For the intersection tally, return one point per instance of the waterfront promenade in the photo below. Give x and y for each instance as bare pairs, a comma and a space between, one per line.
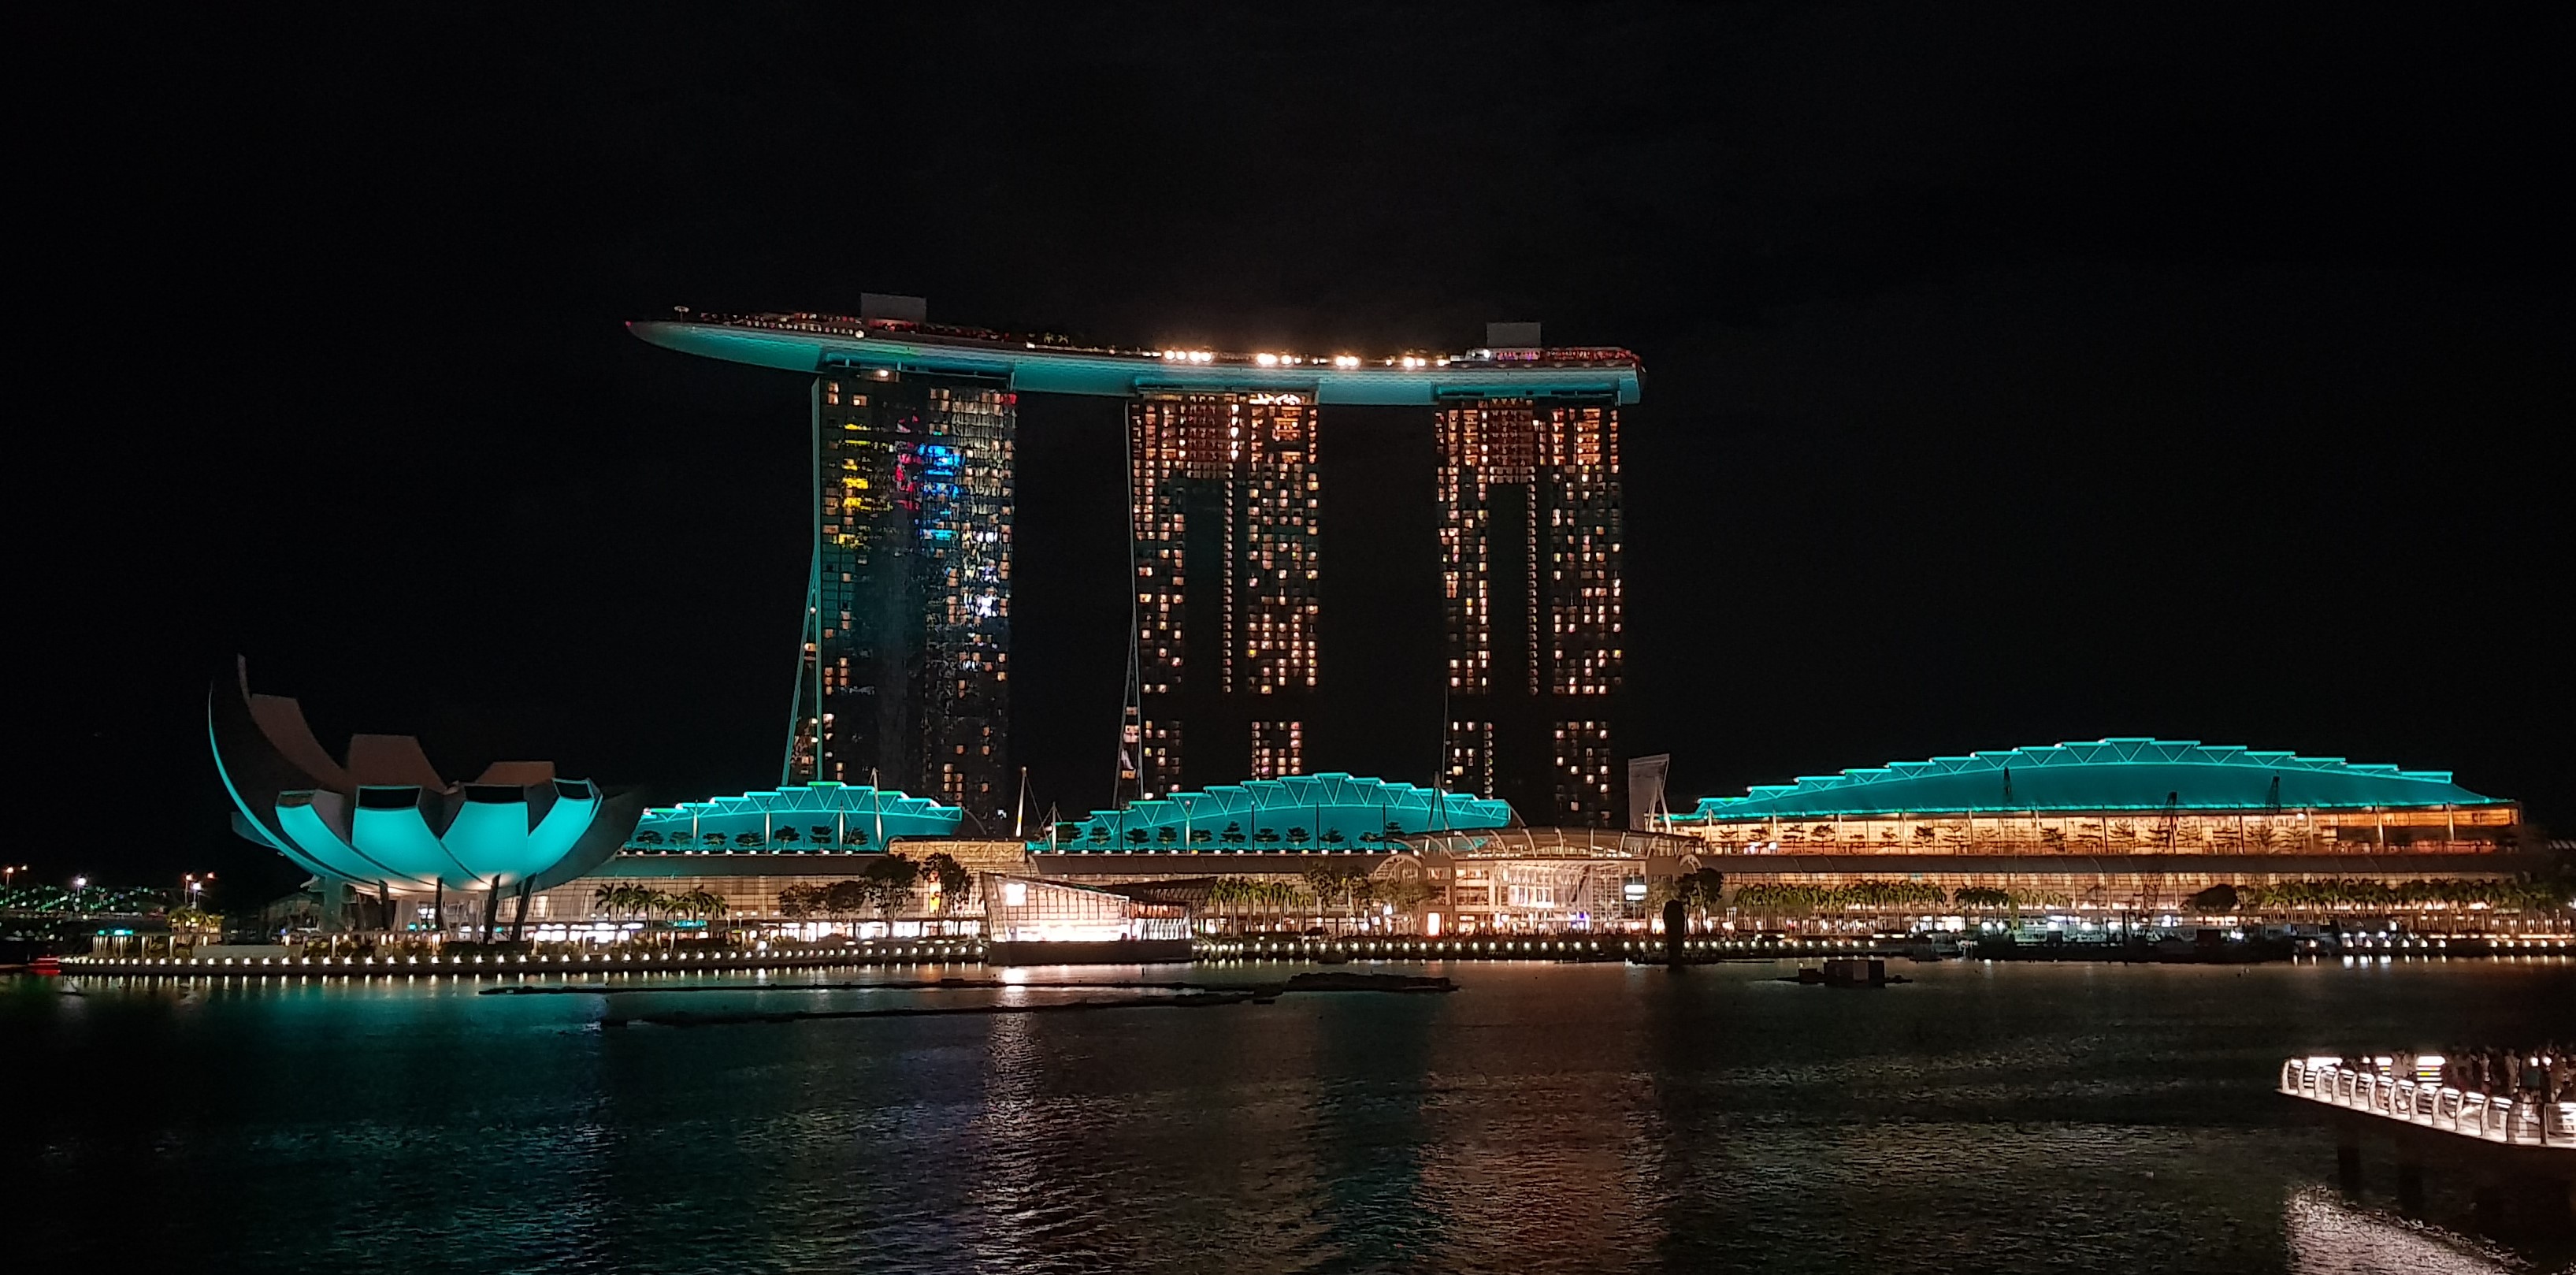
2424, 1105
972, 951
1280, 947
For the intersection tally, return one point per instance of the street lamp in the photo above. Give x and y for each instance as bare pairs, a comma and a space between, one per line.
79, 884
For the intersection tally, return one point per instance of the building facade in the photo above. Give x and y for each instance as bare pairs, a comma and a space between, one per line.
1227, 576
907, 646
1530, 544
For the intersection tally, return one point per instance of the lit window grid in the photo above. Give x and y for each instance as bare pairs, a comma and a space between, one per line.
1568, 454
947, 540
1582, 768
1158, 762
1259, 455
1471, 758
1278, 749
1482, 443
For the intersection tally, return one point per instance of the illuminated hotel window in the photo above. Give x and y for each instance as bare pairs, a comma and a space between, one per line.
1278, 748
1471, 757
919, 498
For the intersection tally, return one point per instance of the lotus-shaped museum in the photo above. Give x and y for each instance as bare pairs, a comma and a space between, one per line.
385, 819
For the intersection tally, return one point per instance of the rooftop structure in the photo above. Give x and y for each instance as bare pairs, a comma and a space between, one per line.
1327, 812
2114, 796
817, 344
821, 815
2104, 774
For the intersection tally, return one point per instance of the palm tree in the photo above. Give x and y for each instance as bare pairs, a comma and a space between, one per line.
710, 905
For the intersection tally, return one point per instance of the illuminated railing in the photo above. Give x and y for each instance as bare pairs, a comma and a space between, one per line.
2431, 1106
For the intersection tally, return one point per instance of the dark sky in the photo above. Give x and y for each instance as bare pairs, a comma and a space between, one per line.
2015, 373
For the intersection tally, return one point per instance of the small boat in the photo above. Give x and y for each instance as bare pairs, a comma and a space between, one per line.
1848, 971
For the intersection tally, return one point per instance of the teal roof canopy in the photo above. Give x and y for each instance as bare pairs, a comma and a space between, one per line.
1331, 811
850, 814
2104, 774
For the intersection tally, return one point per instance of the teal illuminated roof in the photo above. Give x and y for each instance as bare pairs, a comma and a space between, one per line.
2106, 774
1331, 811
384, 817
820, 343
818, 813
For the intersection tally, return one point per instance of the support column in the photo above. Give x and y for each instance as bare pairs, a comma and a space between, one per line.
2348, 1157
2488, 1206
519, 922
2410, 1178
491, 908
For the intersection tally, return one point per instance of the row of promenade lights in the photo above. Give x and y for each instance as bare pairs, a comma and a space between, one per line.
938, 950
194, 882
1263, 945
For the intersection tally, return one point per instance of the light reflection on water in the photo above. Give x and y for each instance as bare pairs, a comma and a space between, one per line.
1545, 1118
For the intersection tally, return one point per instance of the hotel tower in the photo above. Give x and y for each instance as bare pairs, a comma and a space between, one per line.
1224, 503
1530, 545
904, 679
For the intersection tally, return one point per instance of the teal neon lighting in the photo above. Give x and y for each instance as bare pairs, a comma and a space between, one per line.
492, 840
316, 825
403, 841
849, 815
2104, 774
1120, 374
1330, 812
518, 825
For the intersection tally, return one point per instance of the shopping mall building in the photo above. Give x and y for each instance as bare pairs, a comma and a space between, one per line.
2090, 831
2119, 828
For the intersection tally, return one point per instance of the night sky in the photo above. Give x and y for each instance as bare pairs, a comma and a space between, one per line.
2014, 373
